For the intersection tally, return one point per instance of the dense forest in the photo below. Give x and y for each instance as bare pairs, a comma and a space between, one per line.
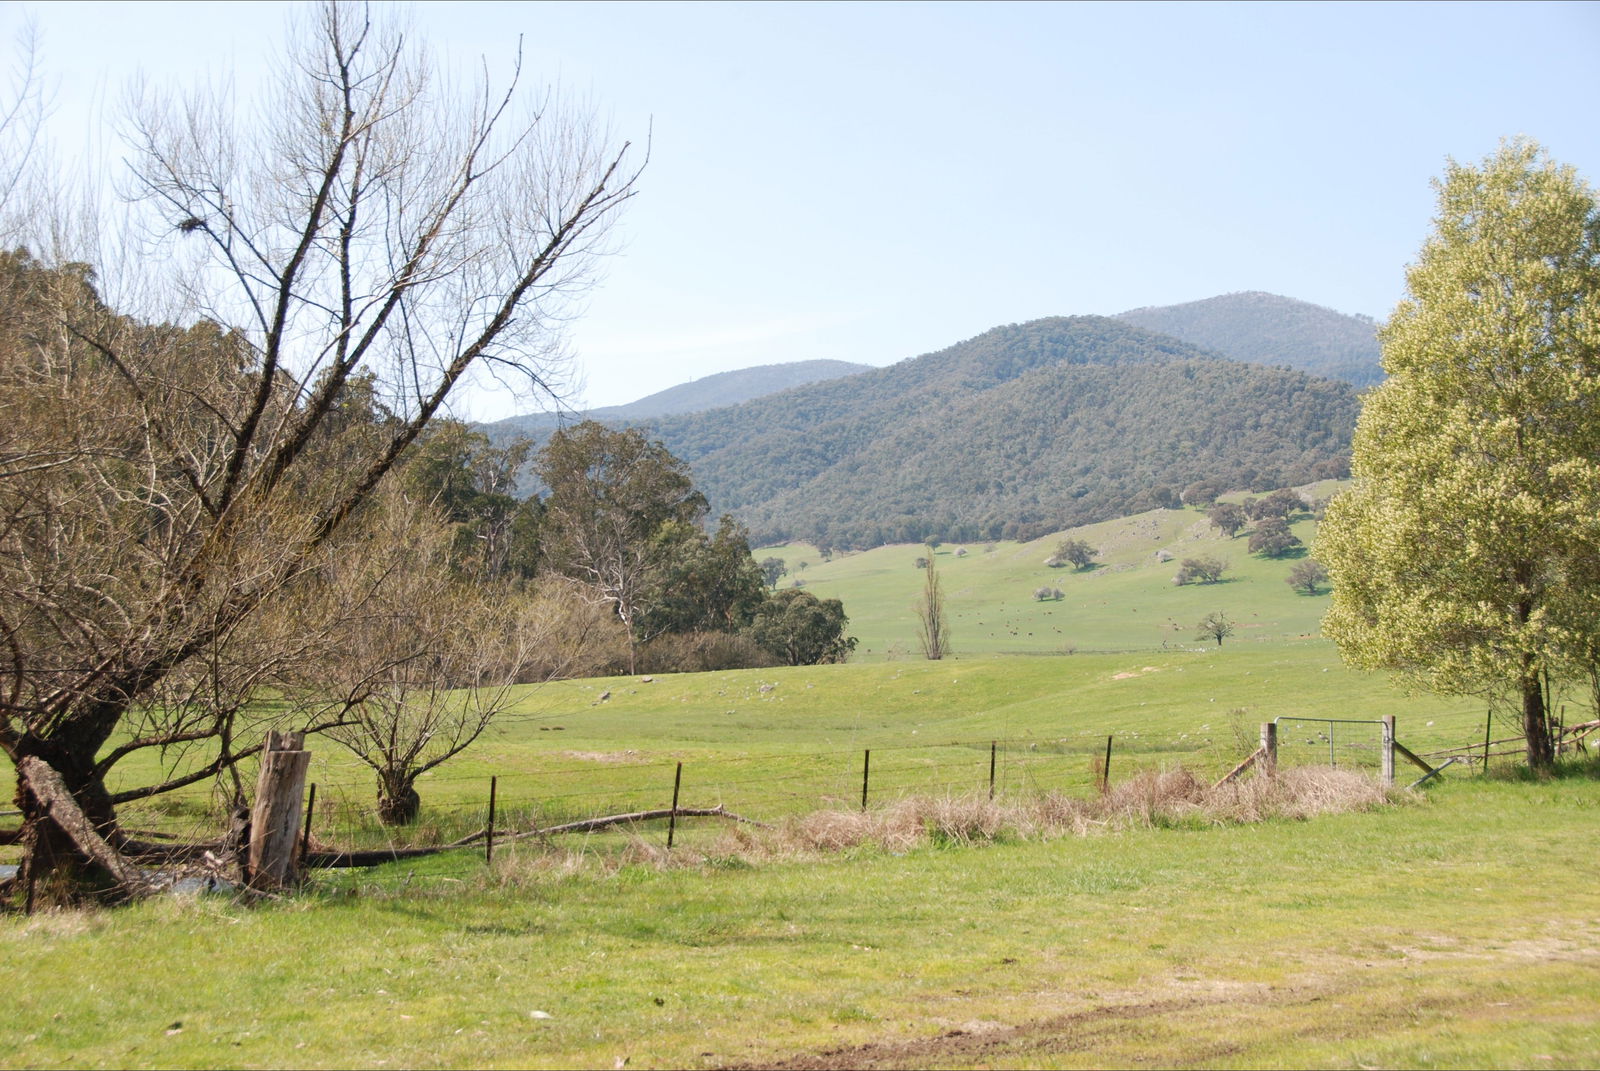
1273, 330
1023, 430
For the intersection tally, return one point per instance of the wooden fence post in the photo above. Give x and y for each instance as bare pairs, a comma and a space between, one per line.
672, 819
1488, 726
1105, 770
1269, 748
1388, 749
488, 834
311, 810
866, 768
275, 822
993, 746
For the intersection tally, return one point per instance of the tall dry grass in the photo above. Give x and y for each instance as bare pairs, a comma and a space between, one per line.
1154, 799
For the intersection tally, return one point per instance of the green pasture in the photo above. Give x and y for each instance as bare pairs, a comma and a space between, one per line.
1125, 602
768, 743
1455, 930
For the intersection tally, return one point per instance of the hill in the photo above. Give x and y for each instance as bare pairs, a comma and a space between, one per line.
1125, 602
1023, 430
708, 392
1272, 330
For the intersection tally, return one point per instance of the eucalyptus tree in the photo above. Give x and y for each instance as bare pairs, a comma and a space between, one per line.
1466, 555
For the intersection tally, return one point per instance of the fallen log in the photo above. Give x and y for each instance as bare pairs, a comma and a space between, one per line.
46, 786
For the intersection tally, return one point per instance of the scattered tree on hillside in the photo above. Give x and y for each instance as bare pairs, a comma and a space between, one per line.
773, 570
1466, 555
162, 487
1228, 516
933, 625
1214, 626
1307, 576
1202, 493
1048, 594
799, 629
1203, 569
1075, 552
1273, 539
1280, 504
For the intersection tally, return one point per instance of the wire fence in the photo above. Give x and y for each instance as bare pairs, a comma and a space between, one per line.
554, 787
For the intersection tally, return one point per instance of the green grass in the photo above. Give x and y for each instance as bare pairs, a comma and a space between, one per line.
1126, 602
1455, 931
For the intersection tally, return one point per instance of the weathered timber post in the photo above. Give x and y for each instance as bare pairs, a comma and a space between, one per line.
1388, 749
1268, 763
488, 830
993, 746
1105, 770
1488, 727
866, 769
672, 819
275, 822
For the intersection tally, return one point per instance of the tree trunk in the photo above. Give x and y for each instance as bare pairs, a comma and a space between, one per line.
1536, 723
398, 801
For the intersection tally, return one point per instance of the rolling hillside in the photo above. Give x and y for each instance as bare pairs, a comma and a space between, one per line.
1023, 430
1273, 330
1126, 602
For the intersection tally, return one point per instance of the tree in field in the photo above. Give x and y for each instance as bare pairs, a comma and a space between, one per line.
1201, 570
172, 468
1228, 516
1214, 626
933, 625
423, 660
1465, 554
1307, 577
1273, 538
611, 494
1075, 552
1280, 504
773, 570
799, 629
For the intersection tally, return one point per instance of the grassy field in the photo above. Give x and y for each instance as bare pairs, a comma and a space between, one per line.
1126, 602
1459, 930
1456, 928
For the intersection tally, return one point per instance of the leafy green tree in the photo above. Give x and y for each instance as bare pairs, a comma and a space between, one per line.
799, 629
610, 495
1465, 555
701, 583
1201, 570
1075, 552
1228, 516
1273, 538
773, 570
1307, 577
1282, 504
1214, 626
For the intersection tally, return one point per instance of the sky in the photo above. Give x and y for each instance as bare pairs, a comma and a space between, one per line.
869, 182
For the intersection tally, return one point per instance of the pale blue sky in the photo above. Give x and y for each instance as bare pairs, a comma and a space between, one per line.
870, 182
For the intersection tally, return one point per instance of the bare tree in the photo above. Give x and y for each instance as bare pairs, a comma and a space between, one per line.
170, 485
933, 625
424, 661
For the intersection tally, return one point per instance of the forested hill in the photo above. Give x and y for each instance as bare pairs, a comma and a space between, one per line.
708, 392
1273, 330
1024, 429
